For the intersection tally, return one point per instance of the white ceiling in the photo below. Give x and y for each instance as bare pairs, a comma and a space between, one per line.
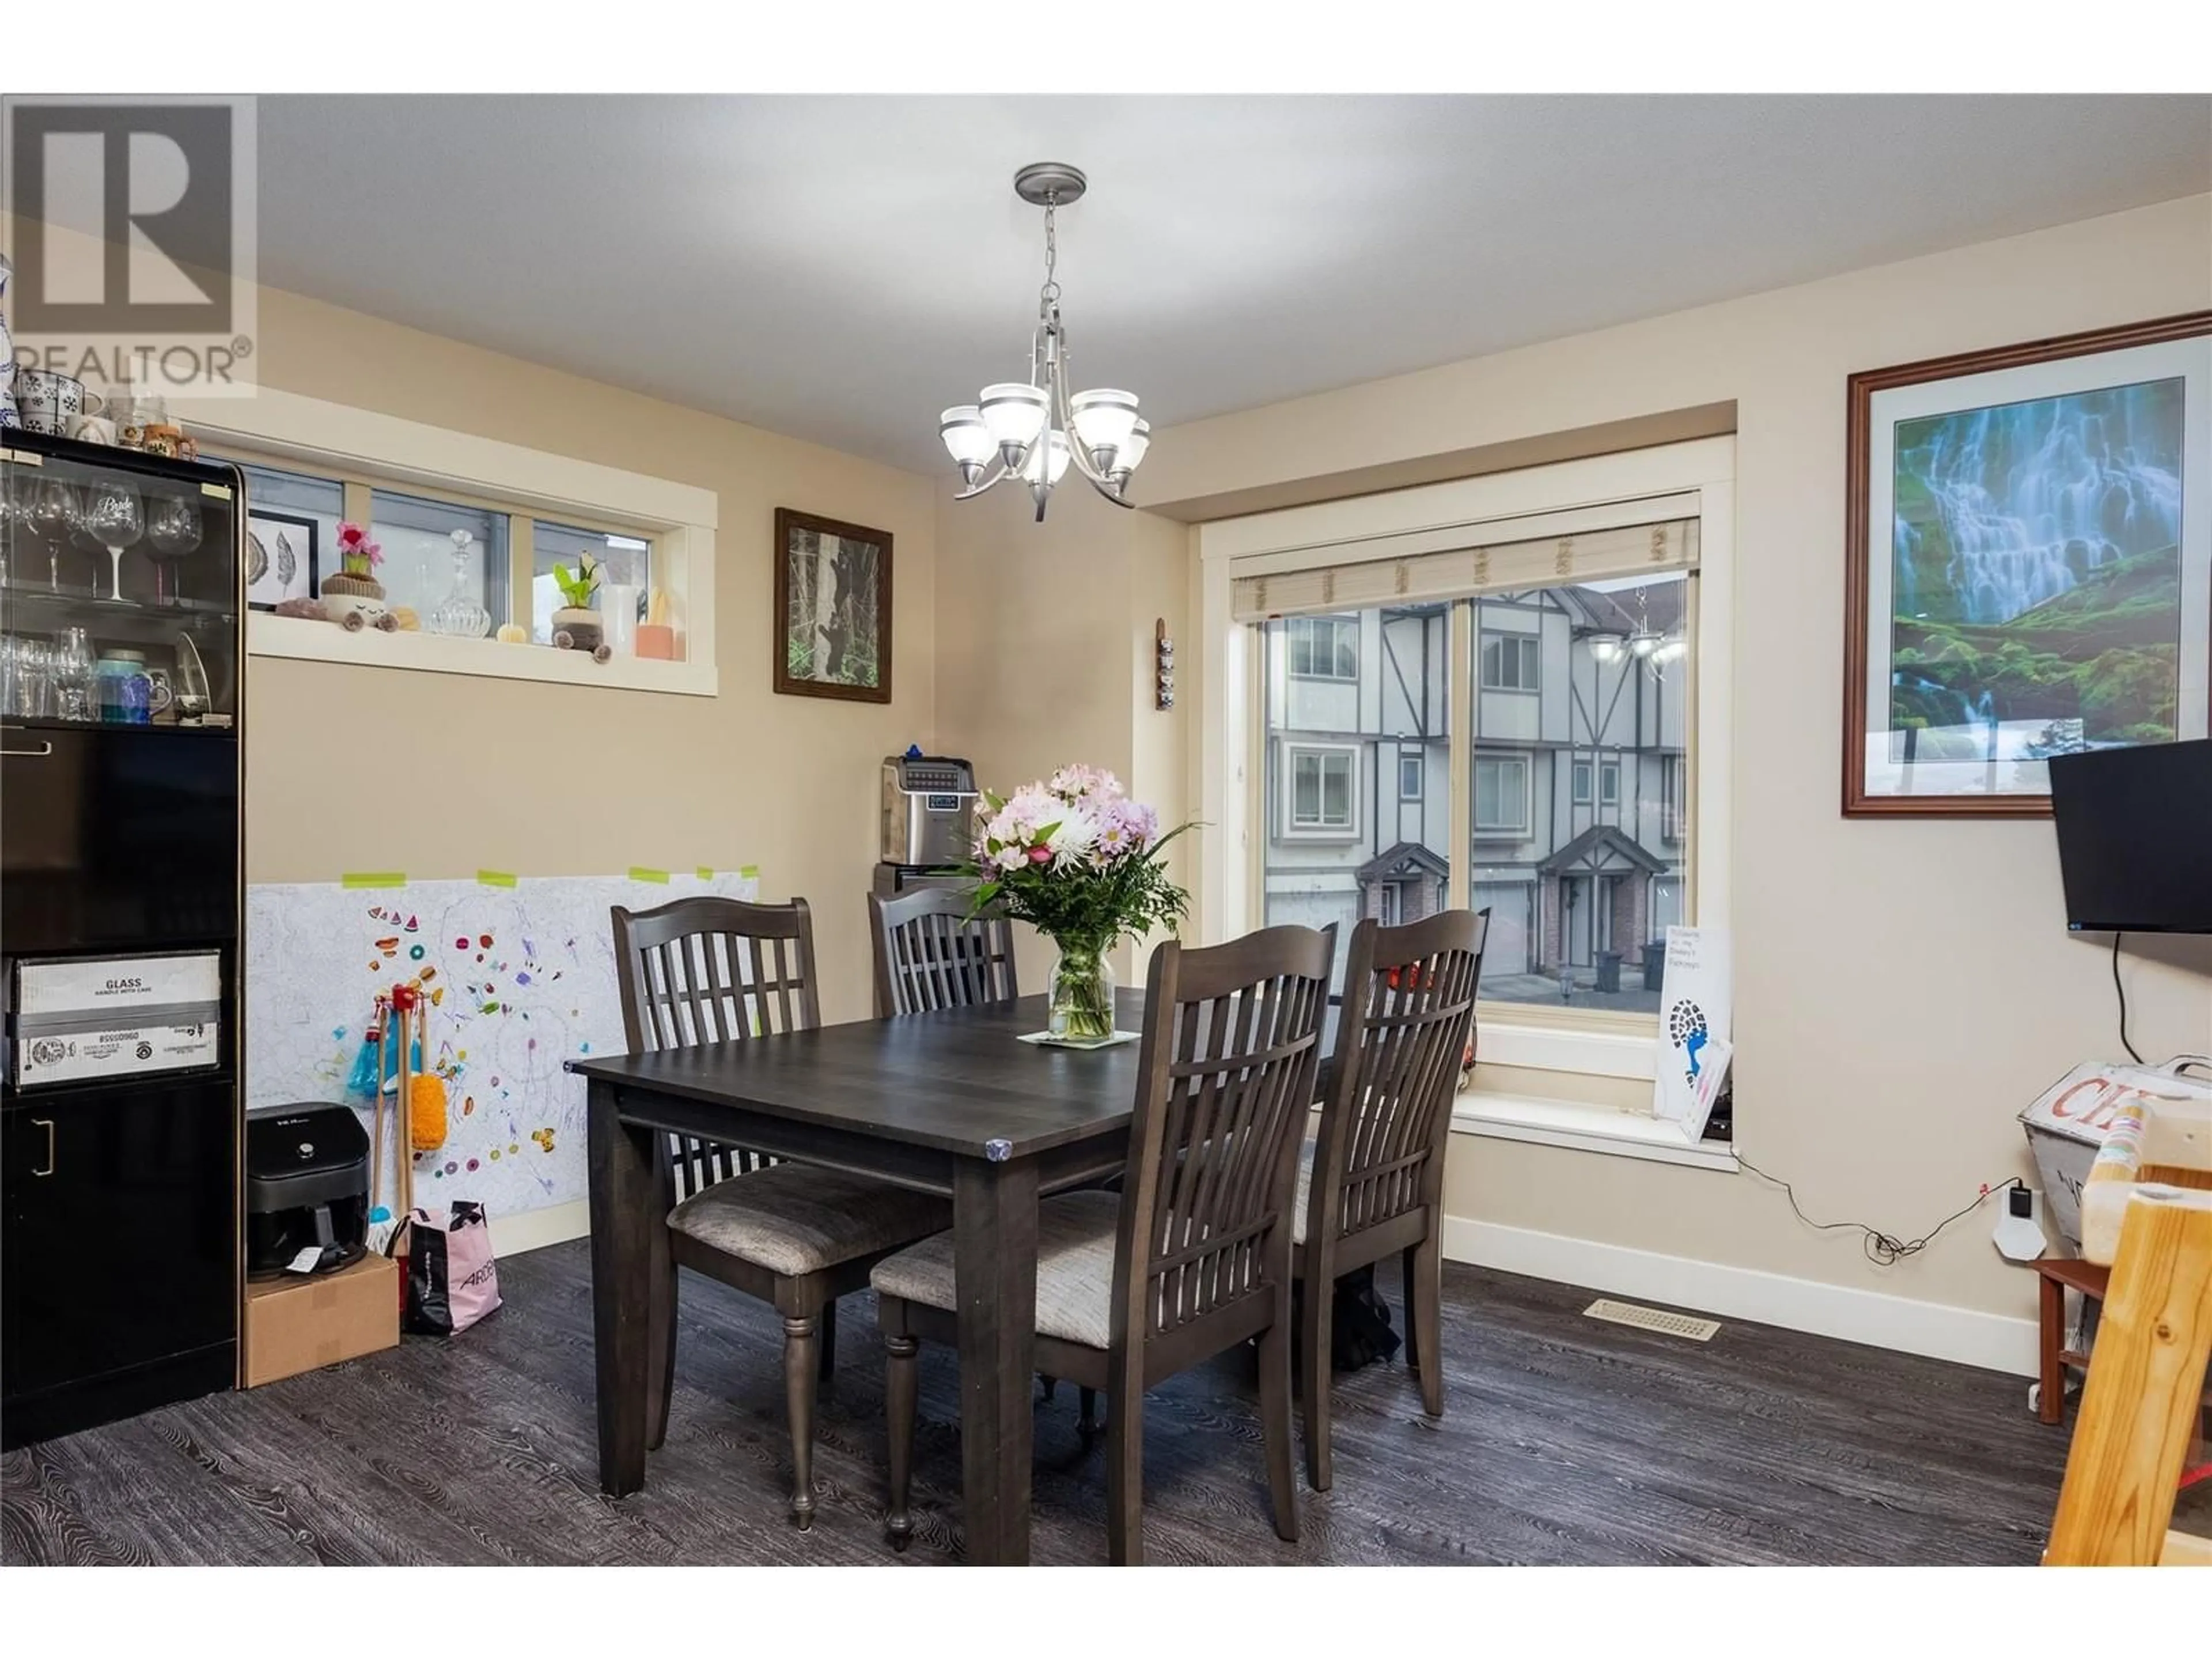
840, 269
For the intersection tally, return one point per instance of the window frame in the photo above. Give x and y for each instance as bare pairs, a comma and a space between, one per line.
1529, 649
1582, 787
1294, 749
1338, 622
1693, 480
1608, 780
365, 450
1420, 762
1497, 830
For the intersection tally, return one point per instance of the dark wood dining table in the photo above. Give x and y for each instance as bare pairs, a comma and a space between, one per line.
947, 1102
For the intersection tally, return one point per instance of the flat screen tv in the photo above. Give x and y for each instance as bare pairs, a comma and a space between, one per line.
2134, 838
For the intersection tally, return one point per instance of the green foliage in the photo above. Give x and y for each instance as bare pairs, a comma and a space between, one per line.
578, 586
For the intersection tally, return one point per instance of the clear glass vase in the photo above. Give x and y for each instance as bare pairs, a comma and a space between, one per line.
458, 613
1081, 991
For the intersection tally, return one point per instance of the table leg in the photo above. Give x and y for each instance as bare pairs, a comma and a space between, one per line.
625, 1216
994, 1236
2050, 1332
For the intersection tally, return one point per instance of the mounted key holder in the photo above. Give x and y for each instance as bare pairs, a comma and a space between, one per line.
1163, 667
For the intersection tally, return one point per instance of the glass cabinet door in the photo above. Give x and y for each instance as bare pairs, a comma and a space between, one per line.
119, 587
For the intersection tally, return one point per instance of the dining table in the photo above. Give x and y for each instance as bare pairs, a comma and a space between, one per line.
950, 1102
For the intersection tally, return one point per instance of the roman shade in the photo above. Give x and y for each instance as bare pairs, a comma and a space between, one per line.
1427, 566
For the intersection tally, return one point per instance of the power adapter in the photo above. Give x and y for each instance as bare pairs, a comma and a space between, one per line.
2019, 1235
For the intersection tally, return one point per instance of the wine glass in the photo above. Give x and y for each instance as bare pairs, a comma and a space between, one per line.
50, 514
173, 530
111, 516
72, 667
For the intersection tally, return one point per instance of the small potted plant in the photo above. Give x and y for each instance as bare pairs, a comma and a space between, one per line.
576, 626
353, 598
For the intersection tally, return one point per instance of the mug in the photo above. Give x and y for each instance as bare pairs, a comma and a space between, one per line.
50, 402
93, 430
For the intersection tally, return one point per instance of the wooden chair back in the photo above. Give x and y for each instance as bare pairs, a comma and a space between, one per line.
1402, 1033
714, 969
931, 954
1232, 1046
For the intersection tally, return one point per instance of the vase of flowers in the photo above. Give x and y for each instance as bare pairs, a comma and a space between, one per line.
1086, 865
352, 598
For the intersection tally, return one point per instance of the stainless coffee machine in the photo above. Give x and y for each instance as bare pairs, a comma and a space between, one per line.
928, 819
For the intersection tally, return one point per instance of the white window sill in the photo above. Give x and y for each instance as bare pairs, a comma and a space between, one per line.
272, 636
1585, 1128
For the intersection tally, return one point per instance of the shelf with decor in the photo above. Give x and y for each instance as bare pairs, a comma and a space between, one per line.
377, 541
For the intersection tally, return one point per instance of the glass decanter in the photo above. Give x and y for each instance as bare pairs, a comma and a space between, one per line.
458, 613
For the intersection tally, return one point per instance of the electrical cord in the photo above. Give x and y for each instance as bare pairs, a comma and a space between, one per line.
1883, 1249
2121, 992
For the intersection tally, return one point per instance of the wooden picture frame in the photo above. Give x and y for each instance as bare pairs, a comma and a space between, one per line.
842, 649
307, 583
2038, 578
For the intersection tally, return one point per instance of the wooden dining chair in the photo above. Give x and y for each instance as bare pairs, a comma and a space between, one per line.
930, 953
1370, 1177
1192, 1257
716, 969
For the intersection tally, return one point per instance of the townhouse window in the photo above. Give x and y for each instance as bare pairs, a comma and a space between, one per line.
1501, 794
1510, 662
1412, 775
1324, 788
1582, 784
1324, 647
1609, 783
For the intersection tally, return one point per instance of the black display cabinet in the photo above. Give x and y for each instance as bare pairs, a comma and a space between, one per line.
122, 650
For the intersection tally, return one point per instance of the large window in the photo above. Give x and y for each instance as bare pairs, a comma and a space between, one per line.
1325, 647
1596, 877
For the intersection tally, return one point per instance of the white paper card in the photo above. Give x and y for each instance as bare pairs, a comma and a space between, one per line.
1696, 1027
110, 986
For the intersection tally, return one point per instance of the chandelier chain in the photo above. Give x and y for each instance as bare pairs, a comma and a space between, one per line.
1050, 292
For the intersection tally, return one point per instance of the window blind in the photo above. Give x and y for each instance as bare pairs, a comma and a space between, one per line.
1456, 573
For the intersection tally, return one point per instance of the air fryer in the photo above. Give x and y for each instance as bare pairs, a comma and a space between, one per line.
306, 1189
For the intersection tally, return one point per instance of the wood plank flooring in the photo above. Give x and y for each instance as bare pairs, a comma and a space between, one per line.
1564, 1440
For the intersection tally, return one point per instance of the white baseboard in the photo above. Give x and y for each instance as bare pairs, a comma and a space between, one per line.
1964, 1335
533, 1229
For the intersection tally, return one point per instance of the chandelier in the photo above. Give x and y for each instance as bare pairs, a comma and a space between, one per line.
1035, 429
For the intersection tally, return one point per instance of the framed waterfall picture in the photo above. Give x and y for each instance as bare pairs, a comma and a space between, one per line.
833, 609
2029, 544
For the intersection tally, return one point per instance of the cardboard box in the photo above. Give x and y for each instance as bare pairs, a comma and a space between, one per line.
2066, 1125
298, 1324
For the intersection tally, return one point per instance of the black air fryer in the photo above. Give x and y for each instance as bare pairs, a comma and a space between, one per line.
307, 1188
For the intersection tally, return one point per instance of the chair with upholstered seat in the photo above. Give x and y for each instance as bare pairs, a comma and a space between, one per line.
721, 970
1370, 1179
1192, 1257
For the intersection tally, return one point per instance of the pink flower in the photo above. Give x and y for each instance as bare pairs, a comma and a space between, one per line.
1040, 855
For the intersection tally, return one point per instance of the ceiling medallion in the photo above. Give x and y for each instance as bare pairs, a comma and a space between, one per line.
1035, 429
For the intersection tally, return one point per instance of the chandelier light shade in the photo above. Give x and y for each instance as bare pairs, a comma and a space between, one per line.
1606, 647
1035, 429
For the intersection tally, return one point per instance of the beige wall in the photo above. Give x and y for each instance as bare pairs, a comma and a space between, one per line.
439, 774
1903, 988
1045, 646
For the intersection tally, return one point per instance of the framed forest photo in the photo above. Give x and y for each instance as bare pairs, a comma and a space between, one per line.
833, 609
2028, 547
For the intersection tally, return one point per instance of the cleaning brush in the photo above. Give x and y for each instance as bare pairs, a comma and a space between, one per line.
370, 1061
426, 1090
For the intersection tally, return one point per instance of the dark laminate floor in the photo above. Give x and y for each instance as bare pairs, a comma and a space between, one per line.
1564, 1440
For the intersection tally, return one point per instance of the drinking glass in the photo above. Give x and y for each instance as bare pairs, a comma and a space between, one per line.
50, 514
72, 666
33, 690
111, 516
173, 530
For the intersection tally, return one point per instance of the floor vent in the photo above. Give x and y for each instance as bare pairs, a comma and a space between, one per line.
1654, 1319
